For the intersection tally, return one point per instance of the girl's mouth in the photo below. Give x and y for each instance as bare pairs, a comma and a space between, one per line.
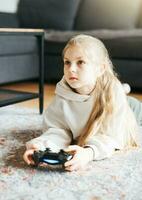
73, 78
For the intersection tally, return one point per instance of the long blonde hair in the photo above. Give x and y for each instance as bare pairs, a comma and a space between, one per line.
104, 103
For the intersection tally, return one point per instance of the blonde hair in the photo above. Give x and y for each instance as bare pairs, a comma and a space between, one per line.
104, 104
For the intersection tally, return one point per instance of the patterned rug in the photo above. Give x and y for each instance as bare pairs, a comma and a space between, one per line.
112, 179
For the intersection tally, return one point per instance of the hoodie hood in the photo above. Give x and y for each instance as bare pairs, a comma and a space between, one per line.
63, 90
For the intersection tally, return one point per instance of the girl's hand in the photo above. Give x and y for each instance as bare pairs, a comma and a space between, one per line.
28, 154
80, 159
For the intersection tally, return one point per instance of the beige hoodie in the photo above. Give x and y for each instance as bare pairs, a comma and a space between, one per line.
67, 115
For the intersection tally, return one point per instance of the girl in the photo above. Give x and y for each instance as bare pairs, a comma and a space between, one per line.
90, 108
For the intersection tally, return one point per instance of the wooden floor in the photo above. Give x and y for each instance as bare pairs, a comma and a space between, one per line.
48, 93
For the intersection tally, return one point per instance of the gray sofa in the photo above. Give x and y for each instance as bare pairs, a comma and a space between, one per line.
117, 24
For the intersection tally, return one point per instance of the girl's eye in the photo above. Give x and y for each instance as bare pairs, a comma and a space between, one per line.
66, 62
80, 62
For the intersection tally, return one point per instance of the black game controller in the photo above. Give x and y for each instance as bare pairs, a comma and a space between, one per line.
51, 158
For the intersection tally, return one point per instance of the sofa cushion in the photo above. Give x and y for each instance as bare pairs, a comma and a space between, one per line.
123, 44
108, 14
18, 67
13, 45
56, 14
8, 20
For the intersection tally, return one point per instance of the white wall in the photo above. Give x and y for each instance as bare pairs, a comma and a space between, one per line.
8, 5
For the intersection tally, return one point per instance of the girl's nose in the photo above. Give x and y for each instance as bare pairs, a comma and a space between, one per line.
73, 67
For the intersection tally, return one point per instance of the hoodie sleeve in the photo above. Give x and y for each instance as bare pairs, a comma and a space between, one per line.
136, 106
56, 134
121, 124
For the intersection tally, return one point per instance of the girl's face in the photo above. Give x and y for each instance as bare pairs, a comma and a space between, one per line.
79, 72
